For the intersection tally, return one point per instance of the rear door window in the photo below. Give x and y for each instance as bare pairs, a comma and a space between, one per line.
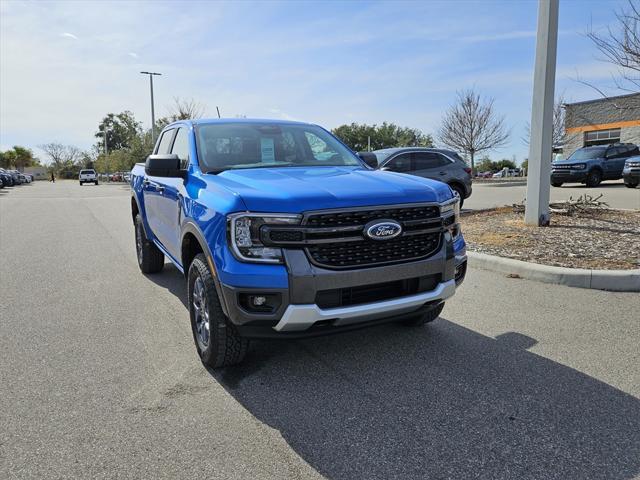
427, 160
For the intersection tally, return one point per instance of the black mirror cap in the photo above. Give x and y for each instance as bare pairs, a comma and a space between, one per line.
369, 158
165, 165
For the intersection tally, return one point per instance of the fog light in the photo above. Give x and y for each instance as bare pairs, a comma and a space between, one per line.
258, 300
460, 272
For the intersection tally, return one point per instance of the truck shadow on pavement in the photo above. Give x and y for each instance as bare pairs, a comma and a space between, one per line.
437, 402
440, 401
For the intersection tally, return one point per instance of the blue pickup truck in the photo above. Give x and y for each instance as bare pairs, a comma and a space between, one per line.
282, 231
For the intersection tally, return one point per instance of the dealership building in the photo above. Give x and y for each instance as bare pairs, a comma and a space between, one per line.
601, 122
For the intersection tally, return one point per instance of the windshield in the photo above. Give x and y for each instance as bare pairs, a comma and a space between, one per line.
260, 145
87, 172
587, 153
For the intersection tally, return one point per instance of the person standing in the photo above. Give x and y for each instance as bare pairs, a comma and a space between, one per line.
53, 178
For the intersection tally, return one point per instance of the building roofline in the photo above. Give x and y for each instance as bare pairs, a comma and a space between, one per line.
603, 99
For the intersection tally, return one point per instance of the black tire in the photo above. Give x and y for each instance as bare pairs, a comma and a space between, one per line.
630, 184
460, 191
594, 177
96, 182
556, 184
80, 183
426, 317
150, 258
217, 340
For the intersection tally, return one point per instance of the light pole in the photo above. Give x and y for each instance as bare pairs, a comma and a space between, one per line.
104, 135
541, 143
153, 116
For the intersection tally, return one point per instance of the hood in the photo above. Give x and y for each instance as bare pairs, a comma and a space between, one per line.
566, 161
297, 189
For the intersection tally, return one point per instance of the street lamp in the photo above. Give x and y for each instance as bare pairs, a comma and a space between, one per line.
153, 119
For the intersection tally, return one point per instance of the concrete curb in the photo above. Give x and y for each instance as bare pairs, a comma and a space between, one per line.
611, 280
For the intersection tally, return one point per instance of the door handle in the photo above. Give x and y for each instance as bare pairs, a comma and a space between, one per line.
146, 183
443, 173
160, 188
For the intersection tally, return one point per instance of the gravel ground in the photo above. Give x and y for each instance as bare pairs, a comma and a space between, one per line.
607, 239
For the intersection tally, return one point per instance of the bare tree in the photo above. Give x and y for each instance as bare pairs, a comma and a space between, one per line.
183, 109
620, 46
559, 134
61, 156
471, 126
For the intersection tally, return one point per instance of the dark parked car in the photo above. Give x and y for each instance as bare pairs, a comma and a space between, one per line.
438, 164
592, 165
6, 177
631, 172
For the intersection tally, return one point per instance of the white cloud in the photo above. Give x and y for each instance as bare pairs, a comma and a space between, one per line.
69, 35
133, 54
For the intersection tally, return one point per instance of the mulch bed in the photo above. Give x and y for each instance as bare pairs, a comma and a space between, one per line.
599, 239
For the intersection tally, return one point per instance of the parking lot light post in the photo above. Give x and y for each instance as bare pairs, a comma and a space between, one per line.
541, 144
153, 116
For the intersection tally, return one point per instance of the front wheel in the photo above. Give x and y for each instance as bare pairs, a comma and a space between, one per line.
425, 317
631, 184
217, 340
594, 178
556, 184
150, 258
96, 182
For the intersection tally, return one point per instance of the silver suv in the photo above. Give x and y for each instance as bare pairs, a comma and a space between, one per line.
435, 163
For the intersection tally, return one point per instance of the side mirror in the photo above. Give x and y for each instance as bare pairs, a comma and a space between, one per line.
369, 158
166, 165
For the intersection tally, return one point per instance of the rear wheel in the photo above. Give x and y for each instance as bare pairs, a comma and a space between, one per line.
96, 182
460, 191
631, 184
425, 317
556, 184
150, 258
594, 178
217, 340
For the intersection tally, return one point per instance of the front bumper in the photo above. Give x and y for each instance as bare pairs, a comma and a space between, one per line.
298, 314
631, 175
569, 176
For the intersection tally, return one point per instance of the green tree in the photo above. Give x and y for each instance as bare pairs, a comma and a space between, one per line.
18, 158
121, 129
505, 163
356, 136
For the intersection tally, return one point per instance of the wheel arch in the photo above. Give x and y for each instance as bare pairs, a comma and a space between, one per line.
193, 242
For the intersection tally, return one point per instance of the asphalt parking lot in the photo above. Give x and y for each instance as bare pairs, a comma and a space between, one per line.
99, 377
490, 195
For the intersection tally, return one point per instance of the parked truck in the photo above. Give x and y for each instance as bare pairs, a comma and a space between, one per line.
282, 231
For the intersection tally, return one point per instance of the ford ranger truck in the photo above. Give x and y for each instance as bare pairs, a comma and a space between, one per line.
282, 231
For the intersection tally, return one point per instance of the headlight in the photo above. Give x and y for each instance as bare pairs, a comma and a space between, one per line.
244, 235
579, 166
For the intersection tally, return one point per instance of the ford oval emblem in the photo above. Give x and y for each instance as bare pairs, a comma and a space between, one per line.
383, 230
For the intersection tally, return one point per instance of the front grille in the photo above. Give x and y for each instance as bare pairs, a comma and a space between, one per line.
369, 252
360, 217
343, 297
336, 238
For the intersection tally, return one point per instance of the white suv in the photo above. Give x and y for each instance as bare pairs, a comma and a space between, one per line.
88, 176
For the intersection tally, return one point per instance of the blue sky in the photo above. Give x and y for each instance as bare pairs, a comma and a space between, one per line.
64, 65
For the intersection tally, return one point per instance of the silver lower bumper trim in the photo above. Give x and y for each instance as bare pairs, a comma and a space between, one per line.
301, 317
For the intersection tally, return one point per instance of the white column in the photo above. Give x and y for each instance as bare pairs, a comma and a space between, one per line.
541, 142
